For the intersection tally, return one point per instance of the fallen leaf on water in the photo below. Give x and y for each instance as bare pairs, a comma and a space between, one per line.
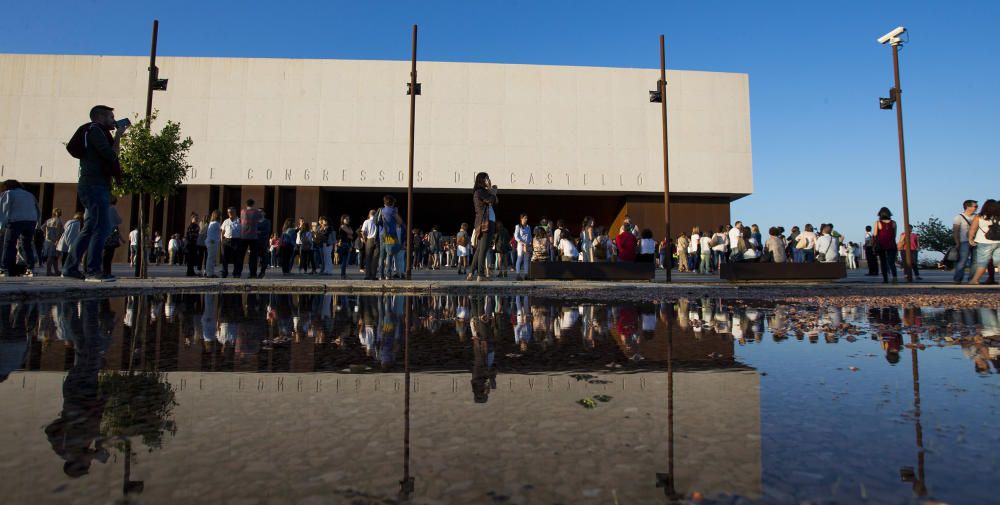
587, 403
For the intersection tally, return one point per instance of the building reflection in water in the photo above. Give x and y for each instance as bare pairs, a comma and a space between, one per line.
117, 351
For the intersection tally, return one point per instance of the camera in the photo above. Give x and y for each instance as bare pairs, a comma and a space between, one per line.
892, 36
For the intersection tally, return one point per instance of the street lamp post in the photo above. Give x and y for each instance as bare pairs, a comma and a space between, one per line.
896, 98
153, 84
412, 89
660, 96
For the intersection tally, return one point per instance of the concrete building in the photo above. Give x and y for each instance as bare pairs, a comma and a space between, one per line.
312, 137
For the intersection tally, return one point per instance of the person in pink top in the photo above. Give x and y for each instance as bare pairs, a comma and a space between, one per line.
914, 249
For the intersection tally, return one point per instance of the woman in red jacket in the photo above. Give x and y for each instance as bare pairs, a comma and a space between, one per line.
626, 243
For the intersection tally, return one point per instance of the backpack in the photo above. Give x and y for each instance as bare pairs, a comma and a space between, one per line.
993, 232
77, 145
460, 240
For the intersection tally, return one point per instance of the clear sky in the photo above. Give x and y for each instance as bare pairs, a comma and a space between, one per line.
822, 150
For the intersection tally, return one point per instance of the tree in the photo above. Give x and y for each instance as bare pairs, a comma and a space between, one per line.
934, 235
153, 164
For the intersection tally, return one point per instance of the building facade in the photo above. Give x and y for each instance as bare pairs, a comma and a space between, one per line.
328, 137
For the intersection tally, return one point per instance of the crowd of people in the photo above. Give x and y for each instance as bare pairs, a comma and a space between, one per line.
235, 238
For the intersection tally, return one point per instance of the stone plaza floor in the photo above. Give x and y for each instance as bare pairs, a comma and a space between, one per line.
170, 277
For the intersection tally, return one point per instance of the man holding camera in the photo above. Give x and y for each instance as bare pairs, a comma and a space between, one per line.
98, 166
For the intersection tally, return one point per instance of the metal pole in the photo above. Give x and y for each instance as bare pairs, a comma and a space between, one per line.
907, 256
140, 261
409, 185
662, 86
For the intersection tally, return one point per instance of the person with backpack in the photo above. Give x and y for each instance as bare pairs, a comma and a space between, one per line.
484, 197
960, 233
389, 224
984, 235
97, 151
436, 247
18, 217
52, 230
885, 244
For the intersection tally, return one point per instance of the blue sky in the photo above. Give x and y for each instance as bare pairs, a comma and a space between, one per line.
823, 151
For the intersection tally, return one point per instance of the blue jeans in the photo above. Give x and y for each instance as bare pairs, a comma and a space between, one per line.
964, 258
385, 254
96, 201
344, 251
25, 231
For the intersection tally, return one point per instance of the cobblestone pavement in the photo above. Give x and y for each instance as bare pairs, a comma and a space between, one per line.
165, 277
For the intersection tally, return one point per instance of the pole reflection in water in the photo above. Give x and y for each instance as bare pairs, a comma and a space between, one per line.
668, 480
406, 486
907, 474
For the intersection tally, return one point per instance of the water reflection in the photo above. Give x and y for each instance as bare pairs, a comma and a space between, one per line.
472, 384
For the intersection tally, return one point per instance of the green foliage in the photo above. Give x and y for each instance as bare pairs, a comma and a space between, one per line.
934, 235
153, 163
139, 405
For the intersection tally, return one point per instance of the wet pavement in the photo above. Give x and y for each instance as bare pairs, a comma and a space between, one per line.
248, 398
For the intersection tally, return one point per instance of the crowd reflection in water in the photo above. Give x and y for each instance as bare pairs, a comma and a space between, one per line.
484, 334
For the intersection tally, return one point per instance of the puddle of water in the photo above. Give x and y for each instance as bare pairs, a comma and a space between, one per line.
253, 398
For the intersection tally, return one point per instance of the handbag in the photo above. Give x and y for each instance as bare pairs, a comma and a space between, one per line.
952, 255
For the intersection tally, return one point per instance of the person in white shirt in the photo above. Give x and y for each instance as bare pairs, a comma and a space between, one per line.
133, 245
567, 248
735, 233
960, 233
808, 239
369, 235
557, 237
705, 243
827, 246
174, 249
693, 257
231, 244
213, 237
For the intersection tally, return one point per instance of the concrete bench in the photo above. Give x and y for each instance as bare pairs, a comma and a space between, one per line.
571, 270
737, 272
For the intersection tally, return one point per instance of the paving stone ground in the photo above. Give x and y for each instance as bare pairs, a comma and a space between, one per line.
172, 278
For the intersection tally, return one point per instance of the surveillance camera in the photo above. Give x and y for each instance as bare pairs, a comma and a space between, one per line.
892, 36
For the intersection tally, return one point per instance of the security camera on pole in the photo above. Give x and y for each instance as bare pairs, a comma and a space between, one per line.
896, 98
